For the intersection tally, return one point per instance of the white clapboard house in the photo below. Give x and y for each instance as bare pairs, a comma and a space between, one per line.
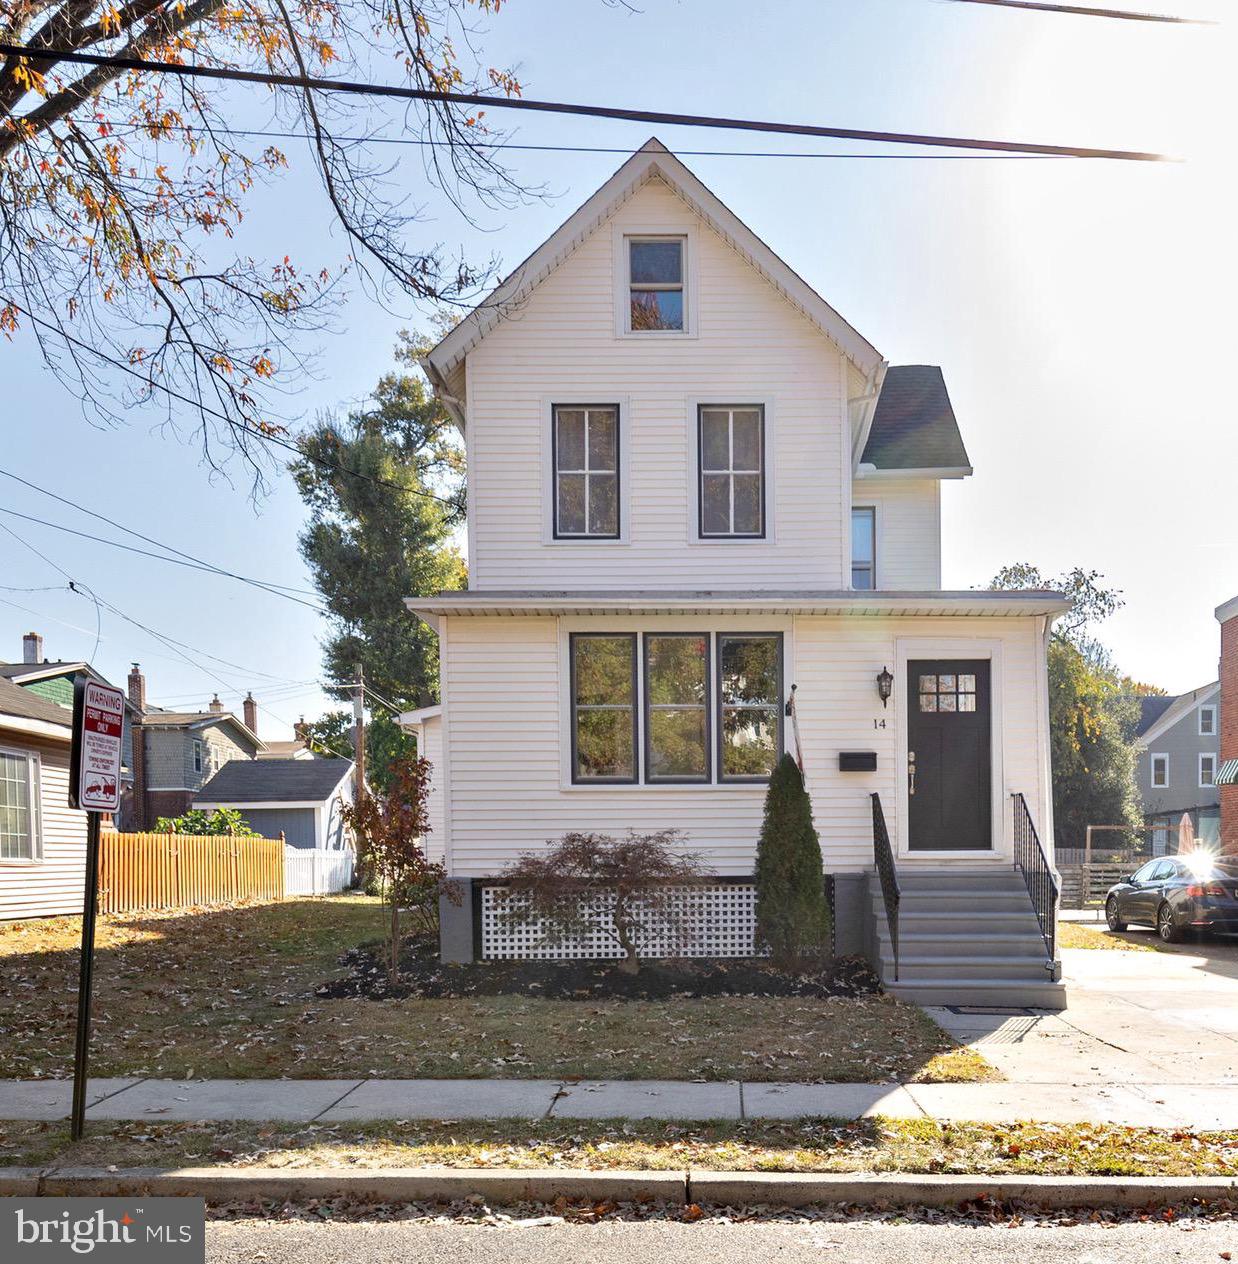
693, 487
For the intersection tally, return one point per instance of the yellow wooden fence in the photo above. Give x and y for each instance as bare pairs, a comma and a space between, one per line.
155, 871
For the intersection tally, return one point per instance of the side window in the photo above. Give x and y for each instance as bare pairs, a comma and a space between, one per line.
586, 472
864, 547
1160, 771
731, 471
655, 284
197, 755
677, 706
1163, 869
1144, 873
1207, 721
1207, 770
603, 707
19, 807
749, 706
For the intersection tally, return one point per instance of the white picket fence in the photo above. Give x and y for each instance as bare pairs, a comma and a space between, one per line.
313, 871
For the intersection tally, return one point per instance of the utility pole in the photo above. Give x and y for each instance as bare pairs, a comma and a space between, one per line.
358, 733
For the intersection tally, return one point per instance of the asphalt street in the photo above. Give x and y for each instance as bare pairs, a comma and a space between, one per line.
712, 1242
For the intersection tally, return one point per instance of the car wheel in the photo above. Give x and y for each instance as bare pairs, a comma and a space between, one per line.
1111, 914
1165, 927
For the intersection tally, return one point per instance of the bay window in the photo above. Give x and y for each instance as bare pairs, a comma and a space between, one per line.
677, 707
750, 706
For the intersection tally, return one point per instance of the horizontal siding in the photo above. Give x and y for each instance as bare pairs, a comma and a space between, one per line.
54, 884
432, 749
561, 345
908, 531
504, 699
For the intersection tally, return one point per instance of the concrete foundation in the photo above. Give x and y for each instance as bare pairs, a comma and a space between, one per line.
456, 939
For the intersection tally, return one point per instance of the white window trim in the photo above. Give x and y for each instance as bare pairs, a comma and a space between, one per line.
34, 788
692, 407
1210, 707
197, 755
1210, 755
1152, 781
654, 230
878, 551
572, 393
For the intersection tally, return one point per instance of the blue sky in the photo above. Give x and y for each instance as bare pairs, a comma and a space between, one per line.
1079, 309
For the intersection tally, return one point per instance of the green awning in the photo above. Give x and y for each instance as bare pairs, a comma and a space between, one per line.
1228, 774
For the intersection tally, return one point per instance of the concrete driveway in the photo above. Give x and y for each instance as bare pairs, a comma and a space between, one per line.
1133, 1019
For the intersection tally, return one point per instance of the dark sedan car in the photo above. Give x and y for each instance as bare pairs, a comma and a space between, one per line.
1177, 894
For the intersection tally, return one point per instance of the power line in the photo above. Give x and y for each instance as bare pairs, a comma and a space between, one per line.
268, 585
206, 410
1088, 11
130, 548
400, 92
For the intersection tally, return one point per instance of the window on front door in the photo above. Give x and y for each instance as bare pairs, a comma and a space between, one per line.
586, 466
682, 706
731, 471
864, 547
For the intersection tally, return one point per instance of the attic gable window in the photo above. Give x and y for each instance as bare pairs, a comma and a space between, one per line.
656, 284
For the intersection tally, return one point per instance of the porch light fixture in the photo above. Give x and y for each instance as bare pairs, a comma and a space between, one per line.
885, 686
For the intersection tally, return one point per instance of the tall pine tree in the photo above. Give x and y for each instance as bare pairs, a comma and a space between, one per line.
793, 917
369, 545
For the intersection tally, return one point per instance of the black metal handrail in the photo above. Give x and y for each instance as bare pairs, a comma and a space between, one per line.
883, 855
1042, 883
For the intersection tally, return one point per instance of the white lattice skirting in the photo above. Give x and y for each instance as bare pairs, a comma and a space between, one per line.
716, 921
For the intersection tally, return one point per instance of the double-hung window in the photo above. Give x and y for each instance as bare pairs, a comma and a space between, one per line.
655, 284
1207, 770
586, 464
603, 707
1160, 772
677, 706
1207, 721
710, 707
731, 471
864, 547
19, 806
197, 755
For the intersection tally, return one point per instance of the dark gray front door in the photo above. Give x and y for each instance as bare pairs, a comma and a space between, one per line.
949, 757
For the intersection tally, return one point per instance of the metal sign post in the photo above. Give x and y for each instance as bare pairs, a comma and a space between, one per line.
94, 787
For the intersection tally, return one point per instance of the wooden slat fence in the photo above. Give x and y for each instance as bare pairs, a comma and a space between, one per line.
158, 871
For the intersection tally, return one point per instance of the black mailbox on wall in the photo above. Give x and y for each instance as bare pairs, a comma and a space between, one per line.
857, 761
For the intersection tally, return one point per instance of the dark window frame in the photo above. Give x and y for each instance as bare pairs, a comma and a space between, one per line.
634, 639
871, 567
647, 707
763, 472
586, 535
720, 777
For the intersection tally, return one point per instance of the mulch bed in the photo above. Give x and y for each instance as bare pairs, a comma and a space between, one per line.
423, 975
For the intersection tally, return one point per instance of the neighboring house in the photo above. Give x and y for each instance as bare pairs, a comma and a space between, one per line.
298, 748
300, 798
1227, 773
1178, 740
692, 486
42, 840
177, 752
54, 681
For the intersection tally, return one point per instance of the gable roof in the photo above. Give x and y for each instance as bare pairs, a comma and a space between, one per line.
275, 781
652, 160
914, 427
1150, 710
26, 673
199, 720
21, 704
1178, 707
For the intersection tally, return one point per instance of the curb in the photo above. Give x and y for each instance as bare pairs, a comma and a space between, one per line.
499, 1186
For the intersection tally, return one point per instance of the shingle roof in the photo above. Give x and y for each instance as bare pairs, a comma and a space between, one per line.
275, 781
38, 671
1151, 710
914, 427
16, 701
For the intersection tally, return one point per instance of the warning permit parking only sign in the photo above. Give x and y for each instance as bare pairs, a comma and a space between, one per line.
99, 719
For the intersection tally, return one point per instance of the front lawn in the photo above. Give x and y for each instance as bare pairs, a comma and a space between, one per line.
812, 1145
230, 993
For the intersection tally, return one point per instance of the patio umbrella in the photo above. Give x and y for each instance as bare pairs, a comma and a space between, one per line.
1186, 834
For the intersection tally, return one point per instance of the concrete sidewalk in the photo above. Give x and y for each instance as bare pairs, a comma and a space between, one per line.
1188, 1106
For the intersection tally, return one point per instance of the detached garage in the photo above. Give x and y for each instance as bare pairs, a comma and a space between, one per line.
300, 798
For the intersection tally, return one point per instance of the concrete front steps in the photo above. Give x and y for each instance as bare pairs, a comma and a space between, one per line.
966, 937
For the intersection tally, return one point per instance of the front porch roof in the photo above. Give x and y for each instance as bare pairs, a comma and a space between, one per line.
515, 603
